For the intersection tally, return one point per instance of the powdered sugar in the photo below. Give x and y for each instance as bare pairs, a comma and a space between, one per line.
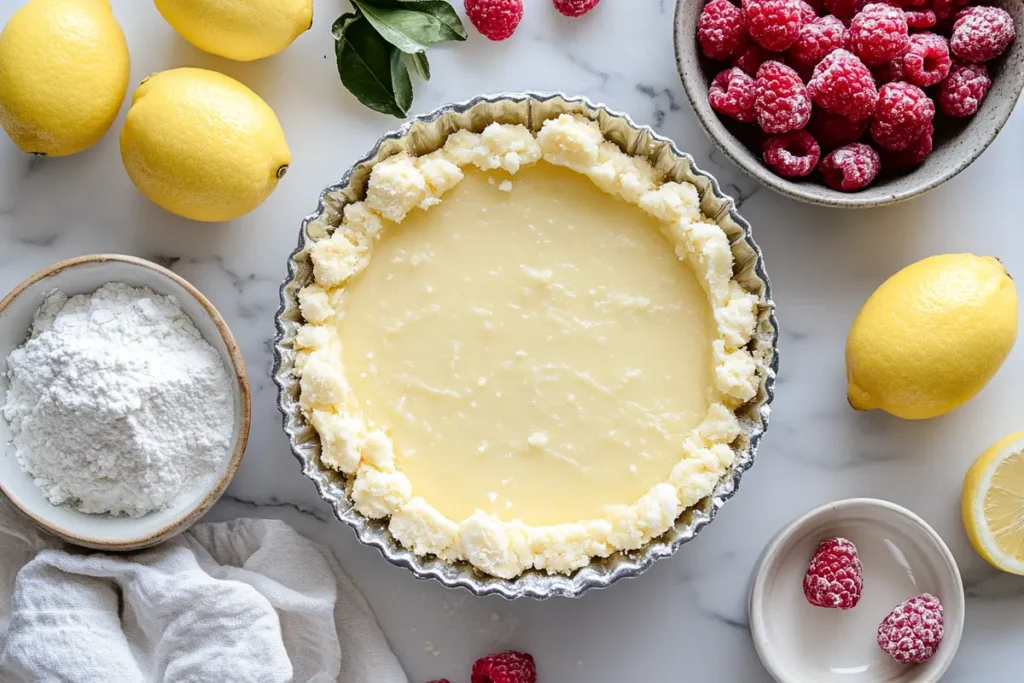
117, 404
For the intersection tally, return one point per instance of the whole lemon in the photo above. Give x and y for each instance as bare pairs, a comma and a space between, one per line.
932, 336
202, 145
243, 31
63, 75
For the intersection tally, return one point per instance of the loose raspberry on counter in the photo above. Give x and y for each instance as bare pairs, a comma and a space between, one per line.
879, 33
751, 58
834, 130
844, 85
575, 8
921, 18
780, 99
505, 667
964, 89
850, 168
835, 577
914, 155
495, 19
913, 630
845, 9
927, 60
817, 39
792, 155
732, 94
904, 111
981, 33
773, 24
721, 30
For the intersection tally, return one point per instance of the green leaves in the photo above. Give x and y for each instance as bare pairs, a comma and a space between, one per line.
383, 40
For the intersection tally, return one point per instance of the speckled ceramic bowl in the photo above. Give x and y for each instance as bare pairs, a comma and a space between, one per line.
957, 143
425, 134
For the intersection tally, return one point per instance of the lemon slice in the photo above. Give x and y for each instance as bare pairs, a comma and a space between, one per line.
993, 504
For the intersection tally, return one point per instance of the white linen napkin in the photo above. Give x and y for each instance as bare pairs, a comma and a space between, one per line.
249, 601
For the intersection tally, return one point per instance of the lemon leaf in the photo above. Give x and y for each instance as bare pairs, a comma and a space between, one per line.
417, 62
413, 25
370, 67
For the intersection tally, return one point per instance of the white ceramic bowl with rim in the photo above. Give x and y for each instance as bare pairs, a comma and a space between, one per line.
84, 275
902, 557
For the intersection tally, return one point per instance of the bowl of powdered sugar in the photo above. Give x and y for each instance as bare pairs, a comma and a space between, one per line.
124, 402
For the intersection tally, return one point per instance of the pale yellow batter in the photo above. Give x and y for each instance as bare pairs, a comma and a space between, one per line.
533, 347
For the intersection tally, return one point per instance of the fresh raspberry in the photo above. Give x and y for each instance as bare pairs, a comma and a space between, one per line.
844, 9
921, 19
505, 667
732, 94
927, 61
890, 72
835, 577
843, 85
721, 30
833, 130
495, 19
780, 99
913, 630
902, 114
817, 39
913, 155
773, 24
851, 167
807, 13
981, 33
964, 89
575, 8
751, 58
792, 155
879, 33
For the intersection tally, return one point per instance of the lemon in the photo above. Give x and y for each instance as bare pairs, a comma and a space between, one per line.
202, 145
932, 336
63, 75
243, 31
993, 504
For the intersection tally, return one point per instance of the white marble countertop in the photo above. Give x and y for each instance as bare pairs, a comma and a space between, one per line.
688, 613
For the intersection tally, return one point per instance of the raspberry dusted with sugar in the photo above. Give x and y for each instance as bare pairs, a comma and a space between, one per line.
902, 114
792, 155
721, 30
834, 578
751, 58
732, 94
773, 24
981, 34
807, 13
817, 39
845, 9
927, 60
879, 33
921, 19
914, 154
850, 168
575, 8
834, 130
495, 19
843, 85
964, 89
912, 632
780, 99
505, 667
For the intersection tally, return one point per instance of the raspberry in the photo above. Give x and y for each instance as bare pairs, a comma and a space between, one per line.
505, 667
890, 72
495, 19
773, 24
807, 13
879, 33
981, 33
902, 114
845, 9
964, 89
721, 30
927, 61
817, 39
921, 19
834, 578
832, 130
792, 155
913, 630
575, 8
913, 155
946, 9
843, 85
751, 58
732, 94
780, 99
850, 168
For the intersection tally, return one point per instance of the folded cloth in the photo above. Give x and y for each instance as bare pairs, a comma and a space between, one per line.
247, 600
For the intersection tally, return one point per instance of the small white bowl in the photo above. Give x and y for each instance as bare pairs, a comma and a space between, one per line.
81, 276
902, 558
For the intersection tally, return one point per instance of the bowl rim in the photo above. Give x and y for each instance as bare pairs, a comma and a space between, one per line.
696, 93
241, 387
939, 556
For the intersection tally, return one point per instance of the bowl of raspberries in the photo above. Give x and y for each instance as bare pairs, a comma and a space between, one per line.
851, 103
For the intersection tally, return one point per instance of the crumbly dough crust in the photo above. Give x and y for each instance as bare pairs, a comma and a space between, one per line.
402, 183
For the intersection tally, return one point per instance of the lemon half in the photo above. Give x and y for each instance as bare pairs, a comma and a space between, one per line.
993, 504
